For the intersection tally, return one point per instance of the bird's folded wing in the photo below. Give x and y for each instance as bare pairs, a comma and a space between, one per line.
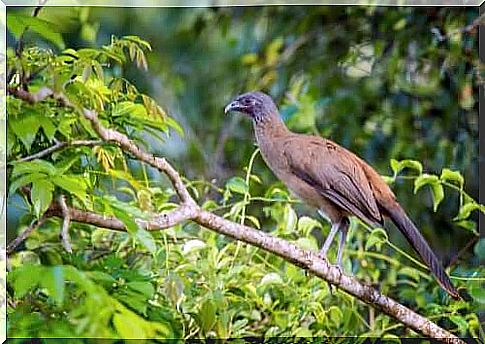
337, 175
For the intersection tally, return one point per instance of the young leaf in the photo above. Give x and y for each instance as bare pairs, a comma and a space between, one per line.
237, 184
306, 224
376, 238
398, 166
438, 194
467, 208
425, 179
452, 176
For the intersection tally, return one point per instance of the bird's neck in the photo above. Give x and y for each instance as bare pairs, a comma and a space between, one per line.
268, 129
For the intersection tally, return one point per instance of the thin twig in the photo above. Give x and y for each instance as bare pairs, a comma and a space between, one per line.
59, 146
24, 235
66, 241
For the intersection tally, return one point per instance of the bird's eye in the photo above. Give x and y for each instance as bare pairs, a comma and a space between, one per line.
246, 101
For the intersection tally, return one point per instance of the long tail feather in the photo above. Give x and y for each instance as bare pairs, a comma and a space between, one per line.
419, 244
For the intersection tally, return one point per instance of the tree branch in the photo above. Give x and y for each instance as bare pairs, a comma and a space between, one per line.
158, 222
25, 234
126, 144
189, 210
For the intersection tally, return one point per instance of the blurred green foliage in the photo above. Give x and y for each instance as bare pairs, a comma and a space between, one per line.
396, 85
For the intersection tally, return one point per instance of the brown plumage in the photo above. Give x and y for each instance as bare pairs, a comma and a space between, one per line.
332, 179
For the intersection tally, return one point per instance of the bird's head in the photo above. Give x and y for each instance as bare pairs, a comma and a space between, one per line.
256, 105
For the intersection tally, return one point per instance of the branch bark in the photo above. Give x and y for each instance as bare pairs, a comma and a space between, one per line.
189, 210
66, 214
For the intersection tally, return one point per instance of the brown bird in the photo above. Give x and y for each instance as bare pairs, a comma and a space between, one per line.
332, 179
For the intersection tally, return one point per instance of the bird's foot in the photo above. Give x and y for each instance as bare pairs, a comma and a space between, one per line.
330, 287
322, 255
341, 272
340, 268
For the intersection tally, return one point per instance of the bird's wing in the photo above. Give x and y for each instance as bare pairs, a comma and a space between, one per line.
335, 172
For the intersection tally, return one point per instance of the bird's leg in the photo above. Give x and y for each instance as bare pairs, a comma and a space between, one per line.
344, 229
328, 241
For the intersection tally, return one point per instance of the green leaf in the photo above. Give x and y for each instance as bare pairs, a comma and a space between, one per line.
398, 166
129, 108
140, 234
144, 288
41, 195
34, 166
467, 208
139, 41
376, 238
306, 224
469, 225
425, 179
48, 127
101, 277
254, 220
18, 22
400, 24
237, 184
53, 281
460, 322
72, 184
290, 219
147, 240
24, 180
438, 194
477, 292
128, 325
175, 125
452, 176
25, 127
207, 316
335, 315
26, 278
271, 278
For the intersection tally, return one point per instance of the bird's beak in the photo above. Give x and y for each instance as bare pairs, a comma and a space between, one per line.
232, 106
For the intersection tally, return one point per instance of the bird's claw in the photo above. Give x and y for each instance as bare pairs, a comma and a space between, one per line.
322, 255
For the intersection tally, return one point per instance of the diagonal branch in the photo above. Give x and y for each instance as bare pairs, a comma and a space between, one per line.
189, 210
126, 144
